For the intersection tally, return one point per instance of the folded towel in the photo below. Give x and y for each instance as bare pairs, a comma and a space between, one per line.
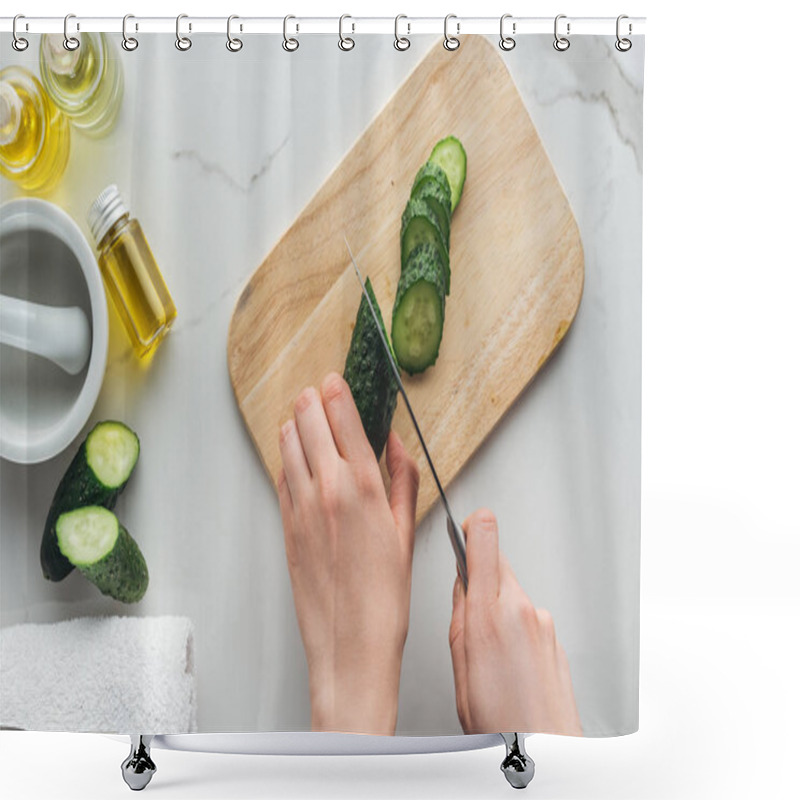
100, 675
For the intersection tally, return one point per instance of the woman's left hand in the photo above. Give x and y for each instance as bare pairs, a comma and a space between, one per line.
349, 552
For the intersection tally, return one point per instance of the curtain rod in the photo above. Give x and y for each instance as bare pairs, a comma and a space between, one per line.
189, 25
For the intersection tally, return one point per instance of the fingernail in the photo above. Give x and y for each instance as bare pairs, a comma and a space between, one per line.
286, 429
304, 399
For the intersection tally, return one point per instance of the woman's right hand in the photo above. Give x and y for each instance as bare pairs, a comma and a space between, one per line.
511, 673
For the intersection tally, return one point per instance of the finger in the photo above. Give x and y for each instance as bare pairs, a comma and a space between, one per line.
287, 515
458, 653
508, 580
295, 465
345, 422
404, 476
315, 432
284, 496
483, 555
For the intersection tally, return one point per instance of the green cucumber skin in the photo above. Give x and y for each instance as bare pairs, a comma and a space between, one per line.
431, 171
431, 192
417, 323
79, 487
122, 573
370, 376
424, 264
419, 208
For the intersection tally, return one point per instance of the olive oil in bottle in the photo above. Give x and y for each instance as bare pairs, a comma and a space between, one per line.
130, 272
34, 134
85, 83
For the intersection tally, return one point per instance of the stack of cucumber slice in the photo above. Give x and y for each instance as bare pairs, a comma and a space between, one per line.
82, 531
418, 315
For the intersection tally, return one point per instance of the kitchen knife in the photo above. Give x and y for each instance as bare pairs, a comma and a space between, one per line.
454, 530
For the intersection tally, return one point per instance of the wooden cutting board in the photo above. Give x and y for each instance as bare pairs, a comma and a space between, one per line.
516, 255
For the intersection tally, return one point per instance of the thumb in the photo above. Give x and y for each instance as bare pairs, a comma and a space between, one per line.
404, 477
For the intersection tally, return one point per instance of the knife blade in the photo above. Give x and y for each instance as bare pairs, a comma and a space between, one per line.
454, 529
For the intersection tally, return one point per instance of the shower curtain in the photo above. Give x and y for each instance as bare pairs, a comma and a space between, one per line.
203, 525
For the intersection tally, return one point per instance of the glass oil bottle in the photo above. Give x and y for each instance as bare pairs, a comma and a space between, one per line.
131, 273
34, 134
85, 83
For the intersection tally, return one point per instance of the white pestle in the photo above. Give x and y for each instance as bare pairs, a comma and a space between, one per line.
61, 335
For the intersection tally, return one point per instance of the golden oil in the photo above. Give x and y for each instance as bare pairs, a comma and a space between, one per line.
85, 83
34, 134
131, 273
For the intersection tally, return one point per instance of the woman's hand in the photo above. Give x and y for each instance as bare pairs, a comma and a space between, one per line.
511, 673
349, 552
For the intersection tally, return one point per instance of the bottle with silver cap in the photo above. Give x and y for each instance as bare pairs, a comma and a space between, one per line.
130, 272
85, 83
34, 134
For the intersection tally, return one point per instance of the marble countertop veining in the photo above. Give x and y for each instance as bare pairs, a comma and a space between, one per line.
216, 154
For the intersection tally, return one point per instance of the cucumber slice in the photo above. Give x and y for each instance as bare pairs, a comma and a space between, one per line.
431, 192
431, 171
97, 475
418, 315
370, 376
421, 226
449, 154
96, 543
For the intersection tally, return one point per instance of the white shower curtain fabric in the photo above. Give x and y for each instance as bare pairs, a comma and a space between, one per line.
245, 171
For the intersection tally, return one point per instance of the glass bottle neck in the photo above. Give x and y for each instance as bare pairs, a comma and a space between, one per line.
114, 231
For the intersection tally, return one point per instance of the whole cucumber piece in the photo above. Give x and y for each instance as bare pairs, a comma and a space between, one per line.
370, 376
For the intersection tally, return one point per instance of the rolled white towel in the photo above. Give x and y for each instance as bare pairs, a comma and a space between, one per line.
100, 675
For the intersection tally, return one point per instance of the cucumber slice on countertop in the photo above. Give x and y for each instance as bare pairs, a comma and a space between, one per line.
94, 541
449, 154
370, 376
418, 315
96, 476
421, 226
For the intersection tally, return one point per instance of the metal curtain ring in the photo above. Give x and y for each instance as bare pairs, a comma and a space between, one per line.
450, 42
623, 45
289, 44
183, 43
401, 42
507, 42
70, 42
346, 42
19, 43
561, 43
233, 44
129, 43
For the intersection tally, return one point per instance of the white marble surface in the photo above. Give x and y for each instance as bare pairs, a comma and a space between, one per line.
216, 154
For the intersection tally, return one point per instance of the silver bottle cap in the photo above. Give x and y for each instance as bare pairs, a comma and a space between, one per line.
105, 211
